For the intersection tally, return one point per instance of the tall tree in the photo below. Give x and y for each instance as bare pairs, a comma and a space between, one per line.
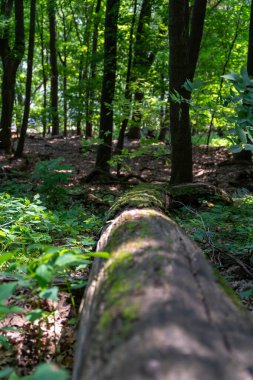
93, 71
143, 59
128, 92
250, 43
108, 86
54, 67
44, 61
185, 35
181, 158
11, 59
196, 33
21, 142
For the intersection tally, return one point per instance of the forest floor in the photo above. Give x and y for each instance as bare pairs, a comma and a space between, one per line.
212, 166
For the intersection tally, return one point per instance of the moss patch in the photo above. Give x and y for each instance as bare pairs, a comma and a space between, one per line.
142, 196
224, 285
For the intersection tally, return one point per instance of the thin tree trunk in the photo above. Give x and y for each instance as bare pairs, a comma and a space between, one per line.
165, 122
11, 59
181, 157
89, 125
128, 93
29, 74
196, 33
54, 68
44, 74
108, 87
65, 78
143, 59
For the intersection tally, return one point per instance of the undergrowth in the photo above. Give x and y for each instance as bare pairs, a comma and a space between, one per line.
222, 230
38, 245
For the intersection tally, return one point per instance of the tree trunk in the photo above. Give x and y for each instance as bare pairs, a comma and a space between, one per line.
154, 309
21, 142
54, 68
196, 33
128, 93
181, 158
65, 76
11, 59
108, 87
93, 69
44, 59
164, 111
143, 59
165, 123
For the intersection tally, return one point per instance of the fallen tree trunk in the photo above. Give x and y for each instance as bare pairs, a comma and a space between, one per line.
154, 309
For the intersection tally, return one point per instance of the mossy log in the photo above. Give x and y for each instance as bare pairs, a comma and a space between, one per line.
168, 197
154, 309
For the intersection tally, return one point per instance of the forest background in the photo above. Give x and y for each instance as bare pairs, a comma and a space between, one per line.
104, 84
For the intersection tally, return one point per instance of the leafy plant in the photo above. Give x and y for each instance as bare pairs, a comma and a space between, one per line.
233, 232
151, 147
241, 98
53, 174
37, 245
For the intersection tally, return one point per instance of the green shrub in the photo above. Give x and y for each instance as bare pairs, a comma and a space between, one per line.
53, 174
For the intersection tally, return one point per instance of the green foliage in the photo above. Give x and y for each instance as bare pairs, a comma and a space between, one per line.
37, 245
222, 228
148, 147
215, 140
53, 174
43, 371
241, 97
227, 227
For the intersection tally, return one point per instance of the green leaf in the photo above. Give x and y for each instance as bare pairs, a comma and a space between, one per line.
188, 85
79, 285
51, 293
5, 343
103, 255
248, 147
5, 257
69, 259
6, 291
245, 76
49, 372
235, 149
246, 293
231, 76
5, 372
44, 274
88, 241
34, 315
10, 309
241, 134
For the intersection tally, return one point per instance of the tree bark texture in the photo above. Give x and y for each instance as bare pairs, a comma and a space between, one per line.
128, 92
93, 69
21, 142
108, 86
154, 310
196, 33
143, 59
181, 158
11, 58
54, 68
